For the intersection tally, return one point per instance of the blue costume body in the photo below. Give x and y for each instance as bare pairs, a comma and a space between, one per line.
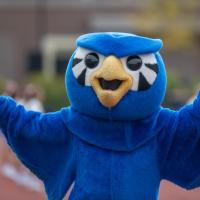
117, 153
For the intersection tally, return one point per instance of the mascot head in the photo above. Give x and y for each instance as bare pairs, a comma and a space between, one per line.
116, 76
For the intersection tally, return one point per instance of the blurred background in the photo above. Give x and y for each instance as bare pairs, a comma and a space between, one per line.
37, 39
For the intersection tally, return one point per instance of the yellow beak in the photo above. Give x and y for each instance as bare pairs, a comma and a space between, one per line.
111, 82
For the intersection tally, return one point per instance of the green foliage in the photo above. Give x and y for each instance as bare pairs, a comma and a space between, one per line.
174, 20
173, 79
54, 91
178, 93
1, 86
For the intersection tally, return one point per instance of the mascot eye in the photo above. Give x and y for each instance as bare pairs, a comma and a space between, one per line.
91, 60
134, 63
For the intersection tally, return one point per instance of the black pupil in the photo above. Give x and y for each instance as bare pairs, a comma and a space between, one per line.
134, 63
92, 60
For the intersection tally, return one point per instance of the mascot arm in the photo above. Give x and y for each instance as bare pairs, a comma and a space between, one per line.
182, 143
40, 141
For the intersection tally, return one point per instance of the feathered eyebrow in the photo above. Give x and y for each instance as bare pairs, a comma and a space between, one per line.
76, 61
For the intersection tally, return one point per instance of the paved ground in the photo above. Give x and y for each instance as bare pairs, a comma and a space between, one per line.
11, 191
171, 192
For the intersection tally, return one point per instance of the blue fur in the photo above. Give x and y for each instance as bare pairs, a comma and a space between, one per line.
107, 159
40, 141
109, 154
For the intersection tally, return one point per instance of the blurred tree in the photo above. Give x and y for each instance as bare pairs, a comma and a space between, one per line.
55, 96
178, 31
175, 20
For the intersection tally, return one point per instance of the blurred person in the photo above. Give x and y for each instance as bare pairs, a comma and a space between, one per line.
196, 90
10, 166
32, 98
11, 89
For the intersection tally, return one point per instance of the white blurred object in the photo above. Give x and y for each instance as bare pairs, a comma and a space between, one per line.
32, 104
32, 98
191, 99
21, 177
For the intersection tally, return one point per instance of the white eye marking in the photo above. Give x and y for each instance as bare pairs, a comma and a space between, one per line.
81, 53
88, 76
146, 75
81, 72
77, 69
149, 74
148, 58
135, 76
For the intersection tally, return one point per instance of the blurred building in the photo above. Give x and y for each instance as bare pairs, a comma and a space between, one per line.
24, 24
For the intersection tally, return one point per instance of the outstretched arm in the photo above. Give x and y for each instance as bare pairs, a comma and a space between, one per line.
41, 141
182, 146
18, 122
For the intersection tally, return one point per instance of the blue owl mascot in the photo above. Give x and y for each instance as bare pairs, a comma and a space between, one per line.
115, 141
